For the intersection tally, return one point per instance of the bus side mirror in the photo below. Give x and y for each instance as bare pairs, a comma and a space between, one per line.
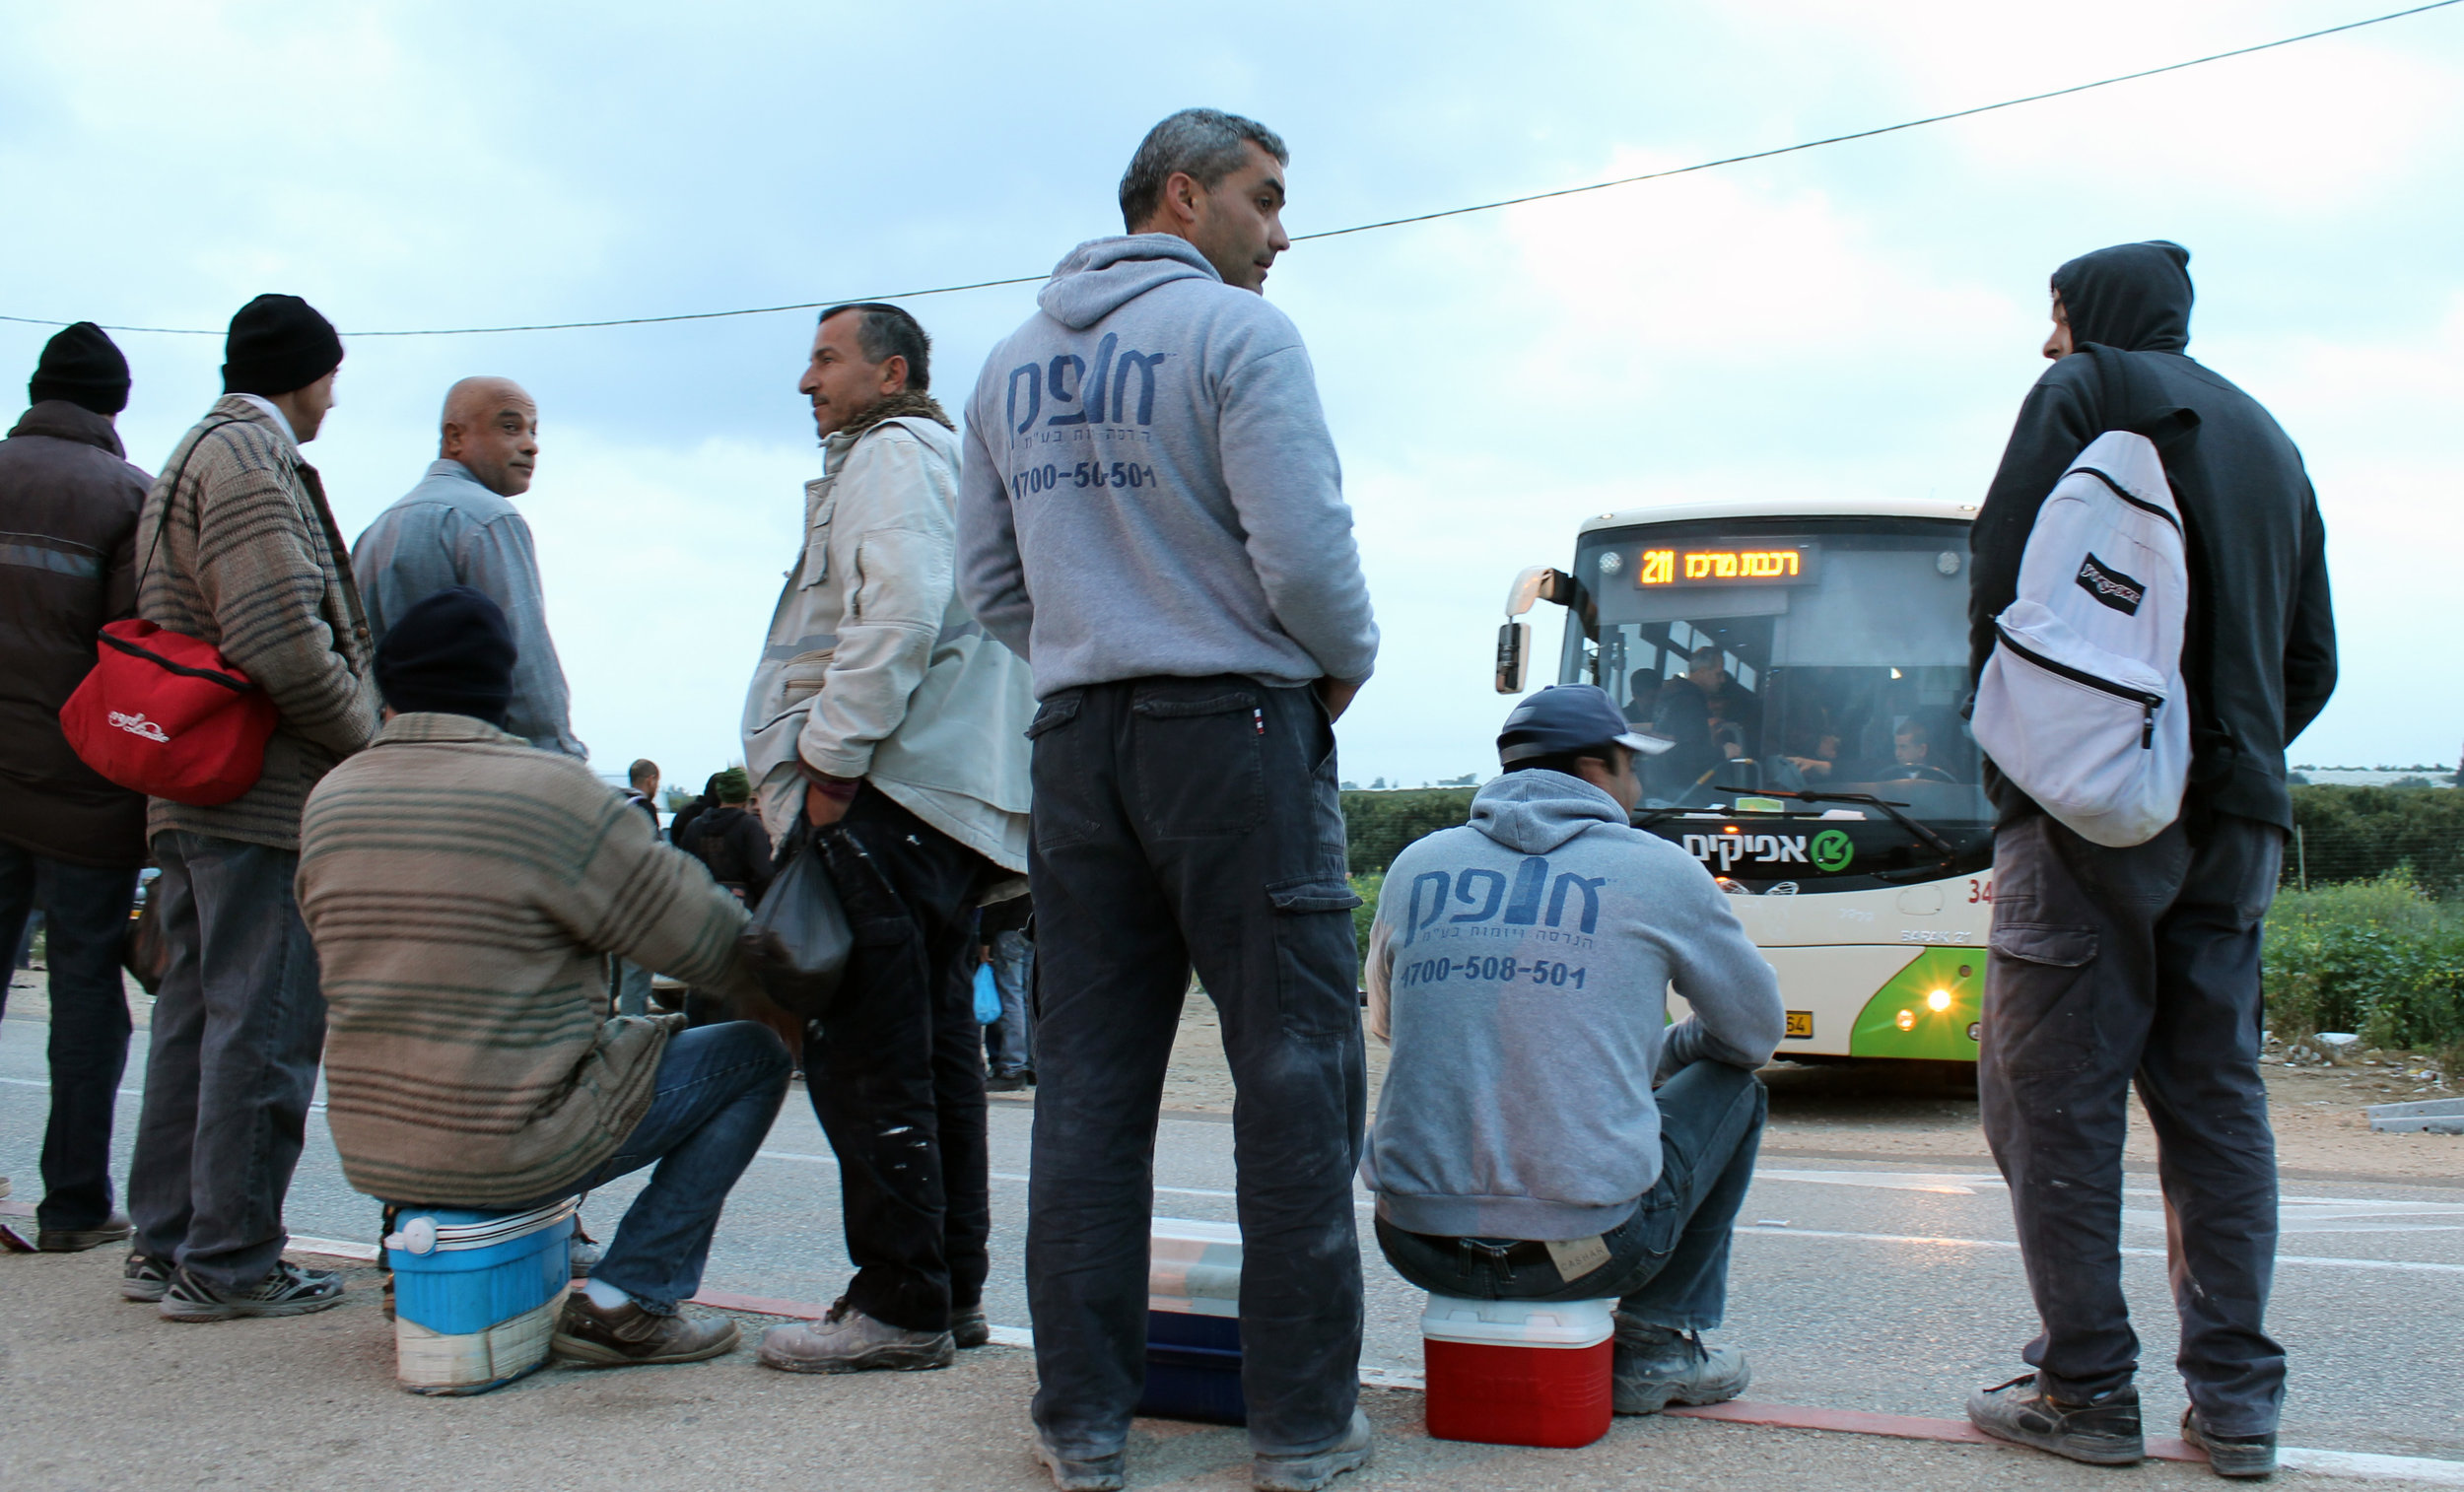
1514, 656
1539, 582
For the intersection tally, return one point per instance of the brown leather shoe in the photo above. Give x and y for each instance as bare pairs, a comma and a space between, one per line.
629, 1336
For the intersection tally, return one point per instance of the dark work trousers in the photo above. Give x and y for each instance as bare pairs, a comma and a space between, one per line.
86, 923
230, 1059
896, 1071
1668, 1261
2109, 964
1181, 821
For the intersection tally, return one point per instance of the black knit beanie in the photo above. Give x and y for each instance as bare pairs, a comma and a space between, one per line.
453, 653
277, 343
81, 366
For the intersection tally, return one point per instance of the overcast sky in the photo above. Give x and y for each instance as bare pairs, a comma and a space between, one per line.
1861, 319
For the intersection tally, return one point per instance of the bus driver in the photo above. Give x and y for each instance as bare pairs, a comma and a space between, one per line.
1518, 967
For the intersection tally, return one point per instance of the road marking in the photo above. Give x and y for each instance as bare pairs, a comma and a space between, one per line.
2404, 1265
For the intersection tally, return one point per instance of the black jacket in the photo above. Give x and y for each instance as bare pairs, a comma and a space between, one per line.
2260, 655
68, 523
737, 848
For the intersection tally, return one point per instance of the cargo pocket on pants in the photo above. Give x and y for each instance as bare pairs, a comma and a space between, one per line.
2040, 1000
1317, 957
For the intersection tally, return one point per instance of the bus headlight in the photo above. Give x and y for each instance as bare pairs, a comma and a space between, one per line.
1906, 1019
1938, 1002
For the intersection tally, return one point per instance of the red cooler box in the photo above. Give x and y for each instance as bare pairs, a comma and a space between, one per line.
1517, 1373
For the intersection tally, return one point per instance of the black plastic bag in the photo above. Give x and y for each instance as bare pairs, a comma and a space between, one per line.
798, 940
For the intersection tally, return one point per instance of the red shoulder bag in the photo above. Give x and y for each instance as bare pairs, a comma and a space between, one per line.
166, 715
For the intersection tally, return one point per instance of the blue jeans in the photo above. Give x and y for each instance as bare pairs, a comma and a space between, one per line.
2110, 966
238, 1027
86, 910
1009, 1042
718, 1087
1180, 822
1668, 1262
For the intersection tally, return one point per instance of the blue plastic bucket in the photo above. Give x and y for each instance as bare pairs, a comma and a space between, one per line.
476, 1293
1193, 1322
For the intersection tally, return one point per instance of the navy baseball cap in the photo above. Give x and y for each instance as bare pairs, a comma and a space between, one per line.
1569, 719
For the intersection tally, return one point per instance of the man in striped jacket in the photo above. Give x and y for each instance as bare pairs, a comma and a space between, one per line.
237, 548
463, 887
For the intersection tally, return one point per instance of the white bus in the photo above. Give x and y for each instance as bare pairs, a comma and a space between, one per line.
1808, 659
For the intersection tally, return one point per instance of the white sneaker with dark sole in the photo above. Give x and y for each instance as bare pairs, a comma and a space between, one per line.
285, 1290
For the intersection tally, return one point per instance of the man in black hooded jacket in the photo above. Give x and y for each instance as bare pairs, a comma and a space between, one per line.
2109, 964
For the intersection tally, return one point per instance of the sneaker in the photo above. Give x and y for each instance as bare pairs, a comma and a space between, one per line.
1657, 1366
1095, 1473
115, 1229
847, 1340
1306, 1474
2104, 1433
145, 1277
2230, 1455
1005, 1082
969, 1329
285, 1290
592, 1337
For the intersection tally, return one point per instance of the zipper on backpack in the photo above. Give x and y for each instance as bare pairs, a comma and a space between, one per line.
2147, 702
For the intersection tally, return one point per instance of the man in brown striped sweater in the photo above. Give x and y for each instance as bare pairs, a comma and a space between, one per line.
237, 547
463, 887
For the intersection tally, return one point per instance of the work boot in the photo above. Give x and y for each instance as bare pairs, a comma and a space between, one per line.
969, 1329
1098, 1473
111, 1229
1307, 1473
284, 1290
595, 1336
2102, 1433
1654, 1367
2230, 1455
145, 1277
847, 1340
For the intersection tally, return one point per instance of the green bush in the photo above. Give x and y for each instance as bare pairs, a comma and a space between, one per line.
2360, 834
1381, 823
1366, 887
2375, 957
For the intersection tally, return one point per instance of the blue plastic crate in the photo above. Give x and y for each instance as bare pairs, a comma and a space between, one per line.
1193, 1368
1193, 1322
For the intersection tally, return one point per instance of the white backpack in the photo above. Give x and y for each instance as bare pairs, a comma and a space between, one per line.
2081, 704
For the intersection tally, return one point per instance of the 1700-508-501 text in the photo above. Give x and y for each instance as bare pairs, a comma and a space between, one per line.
1494, 970
1047, 476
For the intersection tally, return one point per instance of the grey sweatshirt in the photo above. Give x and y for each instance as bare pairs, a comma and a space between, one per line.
1520, 968
1150, 488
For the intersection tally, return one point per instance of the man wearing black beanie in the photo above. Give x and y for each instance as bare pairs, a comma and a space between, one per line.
237, 548
463, 889
69, 841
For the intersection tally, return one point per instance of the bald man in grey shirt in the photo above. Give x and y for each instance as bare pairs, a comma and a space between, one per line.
460, 527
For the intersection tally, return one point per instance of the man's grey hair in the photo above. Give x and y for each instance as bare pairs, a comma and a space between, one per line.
883, 331
1206, 144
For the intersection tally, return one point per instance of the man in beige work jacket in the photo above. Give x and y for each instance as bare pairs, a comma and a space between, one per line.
884, 717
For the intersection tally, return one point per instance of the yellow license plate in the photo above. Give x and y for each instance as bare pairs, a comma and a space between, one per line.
1801, 1025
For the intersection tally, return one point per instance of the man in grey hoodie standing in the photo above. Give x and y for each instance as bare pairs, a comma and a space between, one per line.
1153, 514
1518, 967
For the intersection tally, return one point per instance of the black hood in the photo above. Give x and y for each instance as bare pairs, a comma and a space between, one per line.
2133, 295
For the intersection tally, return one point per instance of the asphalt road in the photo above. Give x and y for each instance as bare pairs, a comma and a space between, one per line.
1867, 1285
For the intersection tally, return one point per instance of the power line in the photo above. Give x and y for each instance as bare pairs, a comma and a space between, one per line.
1362, 228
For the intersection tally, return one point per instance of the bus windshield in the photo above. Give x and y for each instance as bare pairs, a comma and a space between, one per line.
1819, 655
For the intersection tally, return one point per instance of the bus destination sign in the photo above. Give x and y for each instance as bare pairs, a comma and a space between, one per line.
1727, 565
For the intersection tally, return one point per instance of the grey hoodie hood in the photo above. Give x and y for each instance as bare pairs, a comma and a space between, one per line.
1537, 810
1102, 275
